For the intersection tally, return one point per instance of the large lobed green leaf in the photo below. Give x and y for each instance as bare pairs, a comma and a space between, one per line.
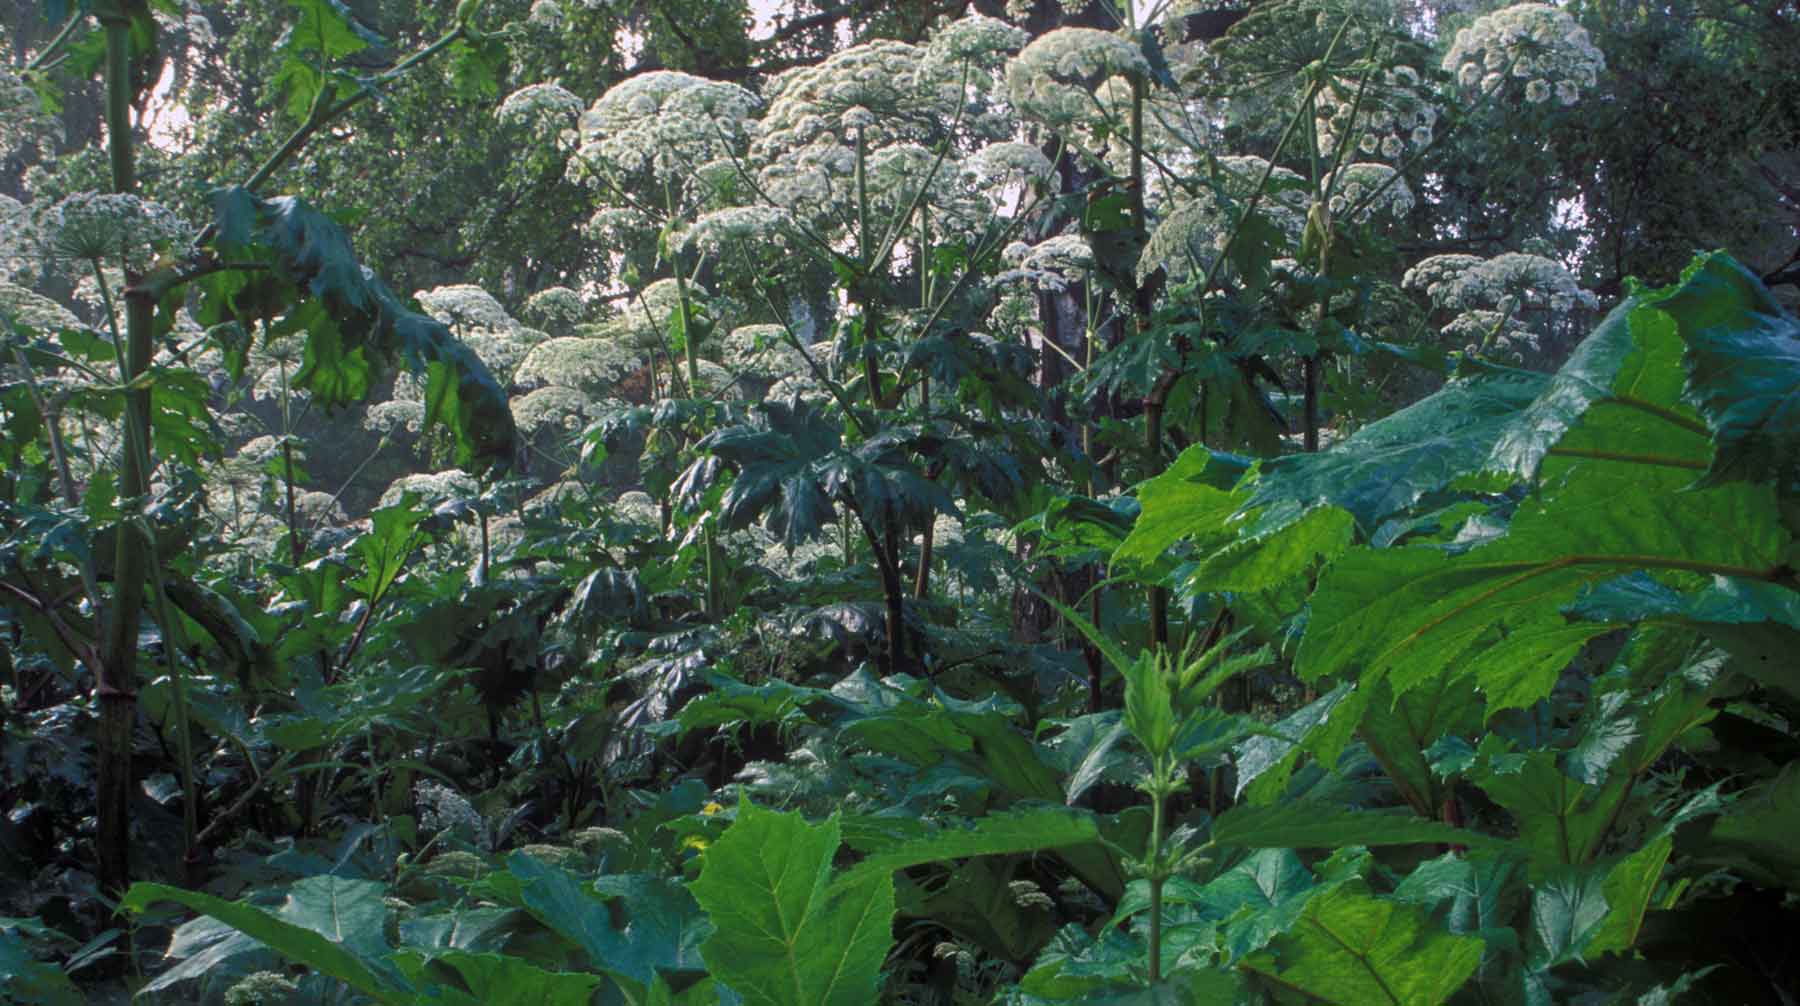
1412, 613
1358, 950
789, 933
1424, 449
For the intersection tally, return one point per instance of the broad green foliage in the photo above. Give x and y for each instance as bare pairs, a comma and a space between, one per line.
1348, 948
327, 923
787, 931
1049, 508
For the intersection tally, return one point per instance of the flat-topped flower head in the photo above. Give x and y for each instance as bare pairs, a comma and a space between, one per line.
1197, 228
23, 306
643, 318
546, 110
1370, 190
465, 305
110, 228
23, 121
737, 231
555, 307
1048, 79
1535, 43
973, 38
762, 351
590, 364
1051, 264
895, 174
880, 91
663, 123
18, 236
501, 350
1010, 162
394, 416
553, 407
1503, 303
1394, 118
1512, 280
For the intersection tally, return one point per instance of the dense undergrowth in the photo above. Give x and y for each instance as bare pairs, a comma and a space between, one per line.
788, 637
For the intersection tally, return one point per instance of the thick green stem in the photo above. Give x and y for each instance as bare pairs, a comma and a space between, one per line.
1158, 873
116, 677
692, 359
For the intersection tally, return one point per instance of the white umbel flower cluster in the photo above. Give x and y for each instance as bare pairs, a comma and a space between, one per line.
973, 38
502, 350
577, 362
18, 236
109, 227
23, 121
643, 320
556, 307
1010, 162
762, 351
432, 488
393, 416
1510, 282
877, 88
895, 174
1051, 264
552, 408
1503, 301
465, 306
22, 306
1357, 188
1197, 229
662, 123
736, 231
1394, 118
547, 110
1047, 80
1535, 43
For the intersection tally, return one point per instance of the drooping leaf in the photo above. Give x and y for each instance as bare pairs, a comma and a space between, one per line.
355, 326
1399, 732
30, 982
1757, 837
661, 930
1628, 363
1181, 503
317, 937
1743, 363
1411, 612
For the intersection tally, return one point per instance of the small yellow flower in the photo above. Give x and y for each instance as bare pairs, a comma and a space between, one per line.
711, 809
695, 842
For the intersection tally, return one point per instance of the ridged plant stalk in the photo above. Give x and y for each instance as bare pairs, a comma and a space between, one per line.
690, 356
116, 675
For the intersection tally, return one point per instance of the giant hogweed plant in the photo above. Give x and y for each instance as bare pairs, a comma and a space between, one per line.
272, 265
1437, 573
1455, 819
